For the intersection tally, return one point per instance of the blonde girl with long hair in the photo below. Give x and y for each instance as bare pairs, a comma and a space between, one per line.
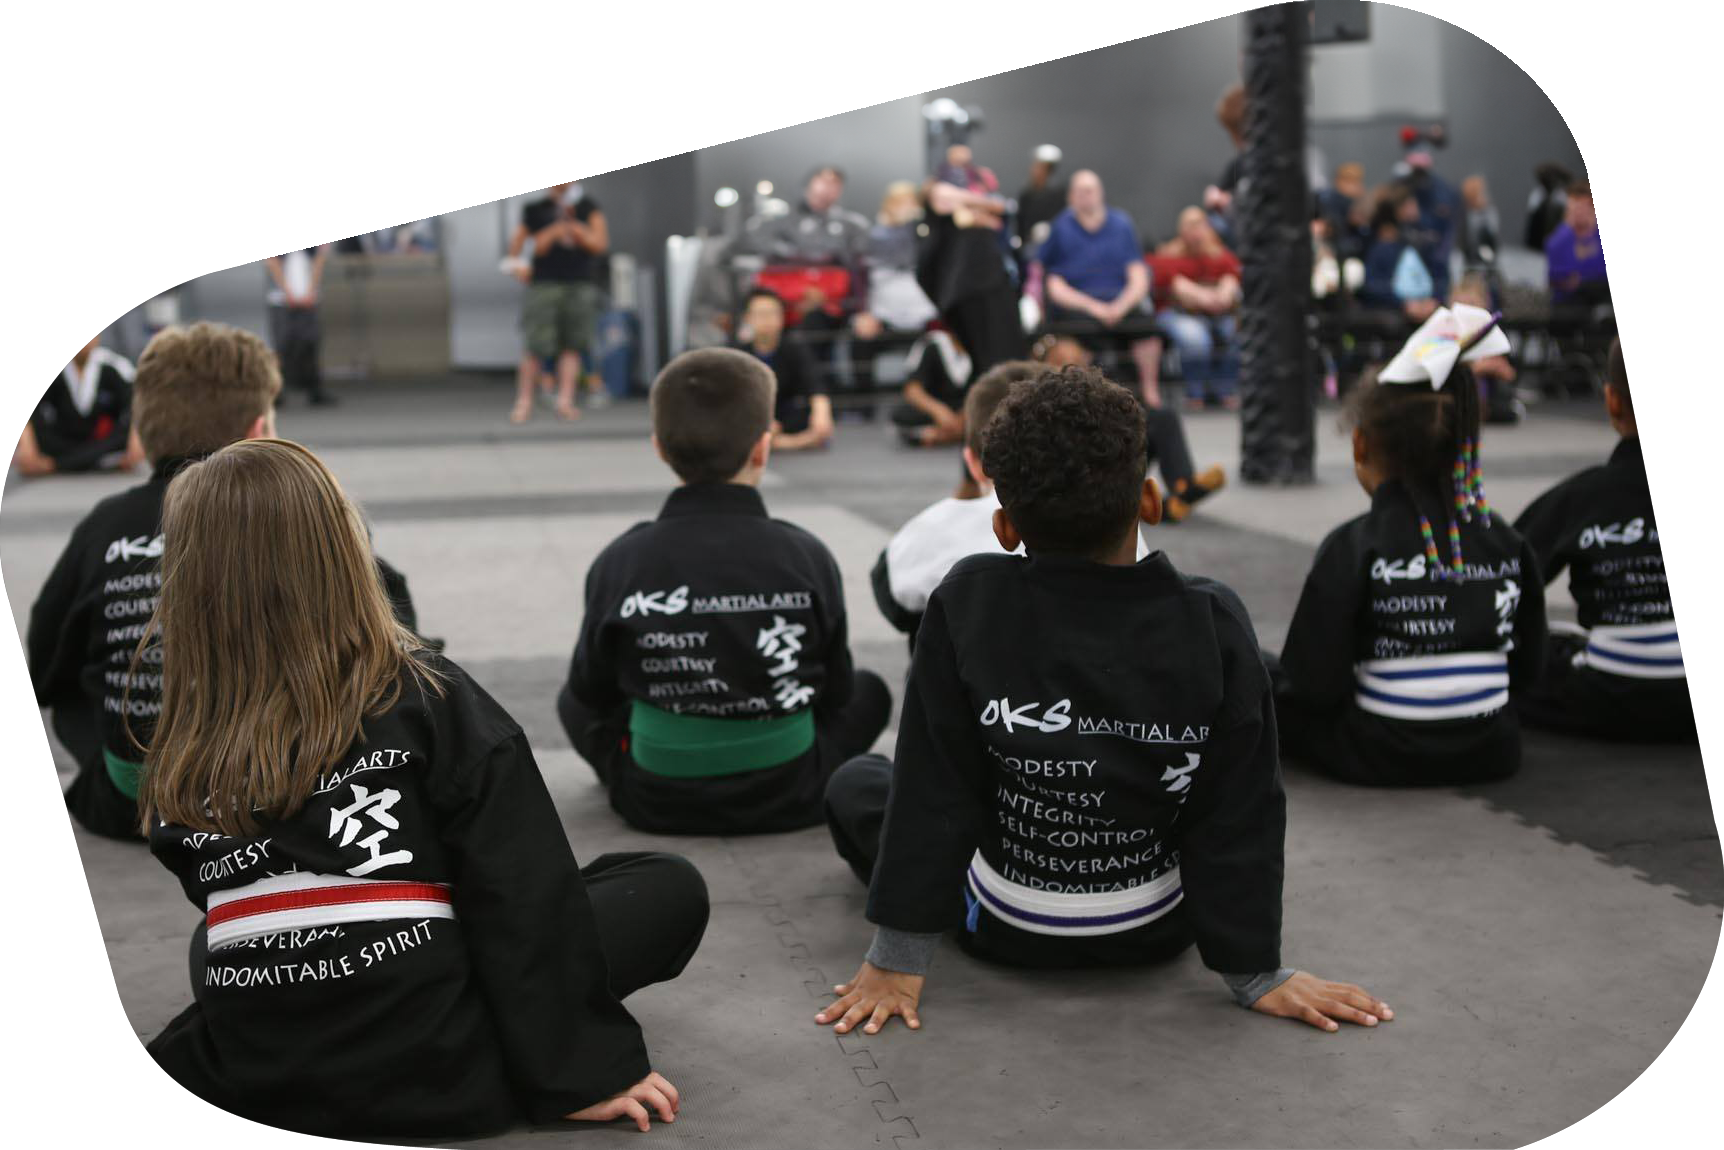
397, 938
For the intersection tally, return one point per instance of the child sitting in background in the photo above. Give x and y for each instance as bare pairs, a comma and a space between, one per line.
932, 414
1621, 676
1398, 663
84, 420
1086, 768
712, 688
198, 389
926, 547
802, 411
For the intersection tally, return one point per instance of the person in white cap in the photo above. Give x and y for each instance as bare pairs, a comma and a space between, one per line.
1040, 201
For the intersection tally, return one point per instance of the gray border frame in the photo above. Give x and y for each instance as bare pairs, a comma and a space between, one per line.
190, 207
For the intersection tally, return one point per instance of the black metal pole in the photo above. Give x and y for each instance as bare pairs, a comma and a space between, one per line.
1272, 219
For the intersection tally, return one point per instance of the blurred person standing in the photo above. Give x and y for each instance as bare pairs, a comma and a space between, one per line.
959, 266
295, 327
561, 307
1039, 202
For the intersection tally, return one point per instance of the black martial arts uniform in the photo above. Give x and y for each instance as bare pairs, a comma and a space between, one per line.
943, 370
1086, 774
712, 688
84, 627
85, 417
1394, 676
1621, 675
415, 951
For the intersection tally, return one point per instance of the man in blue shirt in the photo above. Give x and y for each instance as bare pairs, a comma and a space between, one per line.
1093, 264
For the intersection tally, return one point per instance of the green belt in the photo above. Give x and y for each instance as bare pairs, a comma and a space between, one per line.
699, 747
123, 772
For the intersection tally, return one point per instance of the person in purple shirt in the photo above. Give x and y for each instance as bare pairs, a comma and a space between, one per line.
1093, 262
1575, 255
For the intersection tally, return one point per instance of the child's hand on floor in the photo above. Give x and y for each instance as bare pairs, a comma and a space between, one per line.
876, 995
654, 1090
1323, 1004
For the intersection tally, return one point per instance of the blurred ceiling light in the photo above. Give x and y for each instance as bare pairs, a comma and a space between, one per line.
725, 197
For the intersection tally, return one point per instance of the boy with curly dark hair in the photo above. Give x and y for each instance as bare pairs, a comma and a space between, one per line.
1086, 766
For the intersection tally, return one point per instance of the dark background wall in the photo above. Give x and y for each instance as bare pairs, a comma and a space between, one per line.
1140, 113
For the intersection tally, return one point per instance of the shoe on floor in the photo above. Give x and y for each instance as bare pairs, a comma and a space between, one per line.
1189, 492
323, 399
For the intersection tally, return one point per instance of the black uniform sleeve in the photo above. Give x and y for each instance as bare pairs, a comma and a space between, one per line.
1544, 526
57, 635
566, 1039
592, 670
400, 599
938, 804
839, 667
1318, 655
1531, 632
1234, 825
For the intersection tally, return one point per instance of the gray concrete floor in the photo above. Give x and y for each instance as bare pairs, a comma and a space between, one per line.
1541, 939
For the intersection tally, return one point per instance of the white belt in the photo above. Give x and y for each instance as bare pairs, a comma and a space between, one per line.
1461, 685
1056, 912
1635, 651
302, 901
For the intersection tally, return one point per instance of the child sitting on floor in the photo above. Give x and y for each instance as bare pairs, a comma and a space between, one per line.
927, 546
712, 688
198, 388
1398, 662
1620, 674
397, 940
1086, 768
83, 421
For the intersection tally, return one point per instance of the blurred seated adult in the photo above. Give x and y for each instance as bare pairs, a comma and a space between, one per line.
896, 302
83, 421
1338, 206
1396, 278
818, 232
1093, 267
1197, 295
1575, 255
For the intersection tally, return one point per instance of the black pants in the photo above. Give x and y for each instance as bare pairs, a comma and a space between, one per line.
856, 813
1365, 749
651, 910
297, 334
1588, 703
989, 327
1168, 447
781, 798
92, 799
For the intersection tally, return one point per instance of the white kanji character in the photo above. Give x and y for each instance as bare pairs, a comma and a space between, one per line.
792, 694
347, 821
1178, 779
781, 641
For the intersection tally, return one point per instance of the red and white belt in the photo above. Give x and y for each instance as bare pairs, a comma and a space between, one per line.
303, 901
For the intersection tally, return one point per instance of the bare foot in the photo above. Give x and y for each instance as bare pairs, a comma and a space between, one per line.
568, 412
522, 412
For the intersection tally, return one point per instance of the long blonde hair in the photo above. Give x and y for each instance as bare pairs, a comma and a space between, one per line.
277, 639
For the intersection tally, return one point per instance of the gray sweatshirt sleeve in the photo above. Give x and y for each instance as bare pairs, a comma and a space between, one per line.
904, 951
1248, 988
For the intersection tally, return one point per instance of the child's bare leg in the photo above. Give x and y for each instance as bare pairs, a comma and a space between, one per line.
1147, 354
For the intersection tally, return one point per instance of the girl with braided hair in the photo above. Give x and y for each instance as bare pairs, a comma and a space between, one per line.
1419, 615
